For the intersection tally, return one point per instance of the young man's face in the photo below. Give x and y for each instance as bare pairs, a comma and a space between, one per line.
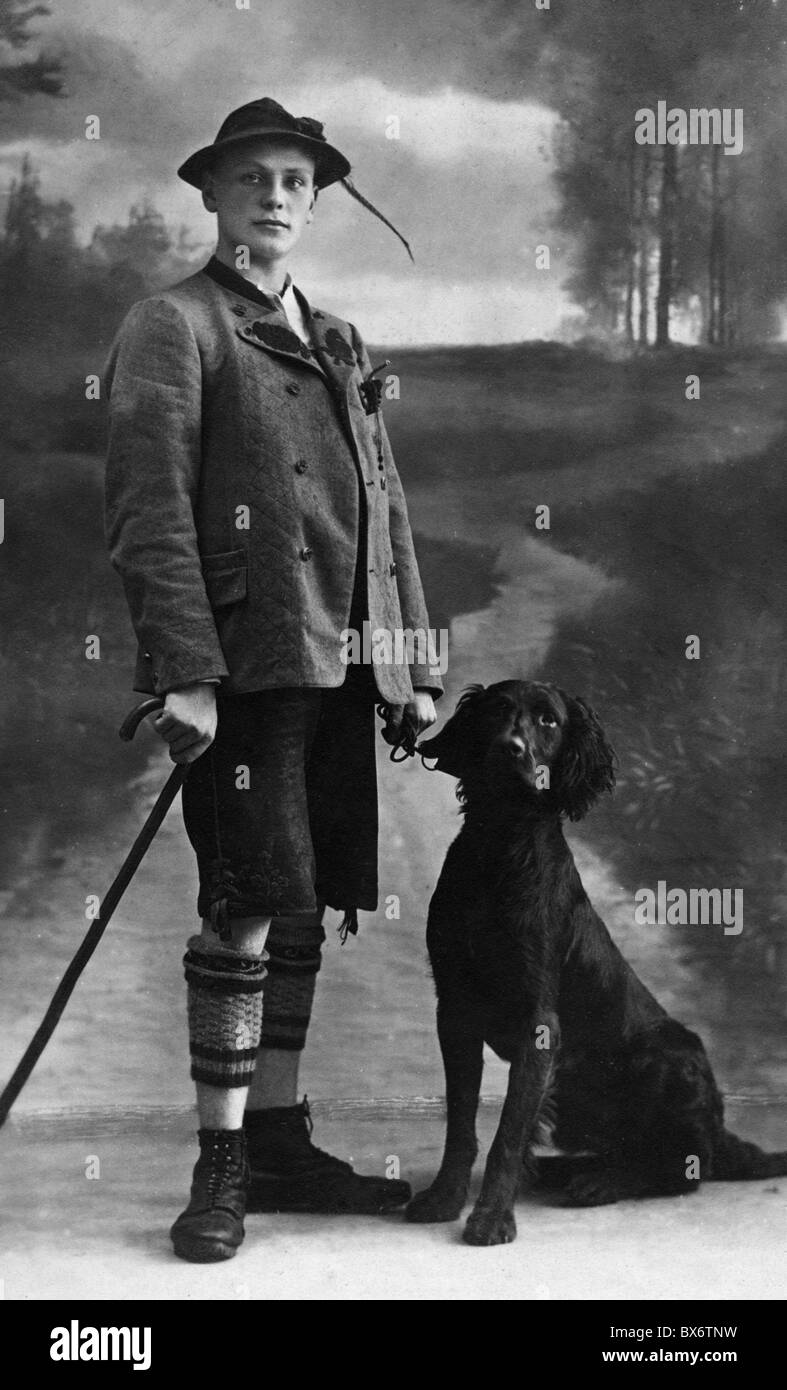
263, 195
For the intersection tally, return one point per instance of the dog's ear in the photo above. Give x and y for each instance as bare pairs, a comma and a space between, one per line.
453, 746
586, 766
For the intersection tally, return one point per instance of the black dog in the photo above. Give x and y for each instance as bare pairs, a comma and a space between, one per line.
522, 962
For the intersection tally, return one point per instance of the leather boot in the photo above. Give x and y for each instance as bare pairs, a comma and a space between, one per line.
289, 1173
211, 1227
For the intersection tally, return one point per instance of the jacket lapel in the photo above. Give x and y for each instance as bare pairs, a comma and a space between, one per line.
334, 349
334, 356
270, 329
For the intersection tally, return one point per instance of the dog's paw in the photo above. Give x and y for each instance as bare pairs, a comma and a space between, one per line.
435, 1204
487, 1226
590, 1190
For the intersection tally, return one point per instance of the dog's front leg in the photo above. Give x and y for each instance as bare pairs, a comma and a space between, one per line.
491, 1221
462, 1046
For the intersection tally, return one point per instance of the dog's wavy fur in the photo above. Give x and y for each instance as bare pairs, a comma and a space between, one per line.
522, 962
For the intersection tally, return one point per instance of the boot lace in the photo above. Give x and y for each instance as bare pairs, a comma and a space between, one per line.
224, 1163
307, 1115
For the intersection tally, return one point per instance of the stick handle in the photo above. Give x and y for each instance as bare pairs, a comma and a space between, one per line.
135, 716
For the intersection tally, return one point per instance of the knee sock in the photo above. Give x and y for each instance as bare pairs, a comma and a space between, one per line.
293, 956
224, 1012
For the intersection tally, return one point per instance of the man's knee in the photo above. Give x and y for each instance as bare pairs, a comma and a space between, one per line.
247, 936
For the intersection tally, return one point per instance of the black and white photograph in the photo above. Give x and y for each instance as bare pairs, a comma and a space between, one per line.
392, 634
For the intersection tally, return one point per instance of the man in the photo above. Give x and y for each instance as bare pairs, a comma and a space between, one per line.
254, 513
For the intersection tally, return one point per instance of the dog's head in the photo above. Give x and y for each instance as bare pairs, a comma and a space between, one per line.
529, 740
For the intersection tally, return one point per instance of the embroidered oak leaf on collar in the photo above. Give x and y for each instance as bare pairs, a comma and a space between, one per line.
338, 348
275, 335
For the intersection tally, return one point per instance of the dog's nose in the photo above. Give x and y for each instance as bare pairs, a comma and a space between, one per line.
518, 745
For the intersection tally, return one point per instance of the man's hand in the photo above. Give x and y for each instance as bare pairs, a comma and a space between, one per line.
418, 714
188, 721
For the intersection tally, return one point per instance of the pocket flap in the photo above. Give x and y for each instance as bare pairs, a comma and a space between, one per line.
225, 577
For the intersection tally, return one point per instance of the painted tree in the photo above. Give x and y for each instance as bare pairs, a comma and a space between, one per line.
25, 211
661, 228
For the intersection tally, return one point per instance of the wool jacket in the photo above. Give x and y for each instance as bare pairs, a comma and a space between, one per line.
245, 482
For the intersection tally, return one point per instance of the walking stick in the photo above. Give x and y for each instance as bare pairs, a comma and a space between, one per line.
97, 928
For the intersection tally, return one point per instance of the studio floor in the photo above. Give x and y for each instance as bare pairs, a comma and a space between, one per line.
88, 1198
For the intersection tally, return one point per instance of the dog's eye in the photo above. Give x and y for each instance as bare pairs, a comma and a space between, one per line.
547, 721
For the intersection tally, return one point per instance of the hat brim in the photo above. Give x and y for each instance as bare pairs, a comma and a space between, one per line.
330, 164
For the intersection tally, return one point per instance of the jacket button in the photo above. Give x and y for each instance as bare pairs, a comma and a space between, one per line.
293, 389
383, 484
306, 552
301, 466
239, 310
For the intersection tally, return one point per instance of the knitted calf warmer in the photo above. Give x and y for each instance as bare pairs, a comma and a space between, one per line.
293, 954
225, 1014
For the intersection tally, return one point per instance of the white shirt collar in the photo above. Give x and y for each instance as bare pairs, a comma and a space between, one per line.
292, 309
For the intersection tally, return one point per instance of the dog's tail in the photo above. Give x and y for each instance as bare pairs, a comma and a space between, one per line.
736, 1160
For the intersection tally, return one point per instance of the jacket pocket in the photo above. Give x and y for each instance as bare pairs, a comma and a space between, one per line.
226, 577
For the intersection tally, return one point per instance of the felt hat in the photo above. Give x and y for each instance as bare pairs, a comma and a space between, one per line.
266, 118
